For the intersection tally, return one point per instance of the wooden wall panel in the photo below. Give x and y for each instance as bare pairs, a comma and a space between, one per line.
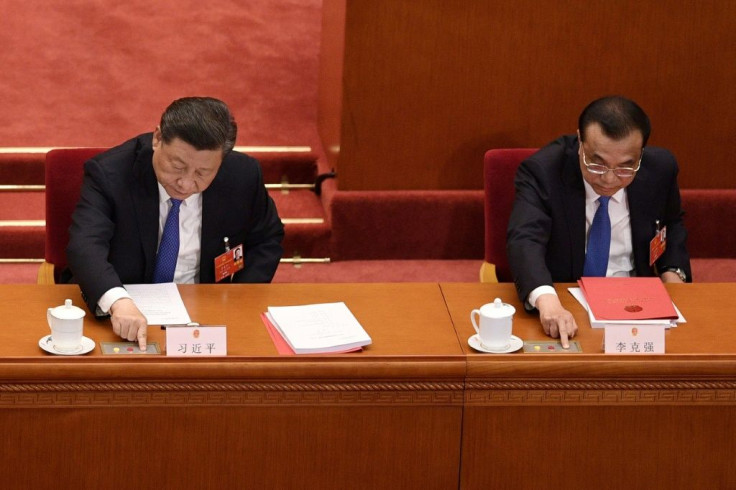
428, 86
603, 447
330, 77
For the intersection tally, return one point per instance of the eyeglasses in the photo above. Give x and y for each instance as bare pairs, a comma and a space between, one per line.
621, 172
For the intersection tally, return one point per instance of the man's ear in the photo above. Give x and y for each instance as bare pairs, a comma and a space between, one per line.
157, 138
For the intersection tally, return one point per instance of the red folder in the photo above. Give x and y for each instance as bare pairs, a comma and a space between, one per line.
627, 298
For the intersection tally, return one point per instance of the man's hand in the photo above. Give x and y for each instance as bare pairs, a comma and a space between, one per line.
556, 320
128, 321
670, 276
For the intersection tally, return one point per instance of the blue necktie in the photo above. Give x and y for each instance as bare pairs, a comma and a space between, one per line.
599, 241
168, 250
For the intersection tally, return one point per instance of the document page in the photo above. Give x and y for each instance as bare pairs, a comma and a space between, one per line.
161, 304
318, 327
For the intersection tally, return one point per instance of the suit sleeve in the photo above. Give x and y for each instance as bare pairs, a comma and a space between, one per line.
676, 254
90, 235
262, 243
528, 232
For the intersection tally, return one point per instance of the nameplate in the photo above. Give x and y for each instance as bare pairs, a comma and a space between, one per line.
634, 339
196, 340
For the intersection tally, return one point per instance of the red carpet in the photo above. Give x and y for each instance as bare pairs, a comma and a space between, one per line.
22, 206
96, 73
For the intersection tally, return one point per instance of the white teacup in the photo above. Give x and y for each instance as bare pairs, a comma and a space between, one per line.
66, 323
494, 324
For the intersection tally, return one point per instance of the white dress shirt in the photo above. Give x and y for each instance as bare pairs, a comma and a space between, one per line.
190, 237
621, 254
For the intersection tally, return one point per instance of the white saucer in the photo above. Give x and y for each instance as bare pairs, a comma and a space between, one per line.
48, 345
515, 343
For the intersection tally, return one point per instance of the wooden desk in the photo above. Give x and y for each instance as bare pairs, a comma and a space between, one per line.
602, 421
398, 415
389, 417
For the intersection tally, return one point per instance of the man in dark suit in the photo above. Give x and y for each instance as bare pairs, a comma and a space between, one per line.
187, 163
557, 197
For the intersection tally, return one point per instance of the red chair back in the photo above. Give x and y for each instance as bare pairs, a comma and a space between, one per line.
499, 170
64, 173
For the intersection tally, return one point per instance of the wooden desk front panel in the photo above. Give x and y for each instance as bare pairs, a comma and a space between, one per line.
391, 414
214, 447
600, 421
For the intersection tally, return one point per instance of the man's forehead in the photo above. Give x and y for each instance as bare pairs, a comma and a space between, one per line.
595, 130
177, 150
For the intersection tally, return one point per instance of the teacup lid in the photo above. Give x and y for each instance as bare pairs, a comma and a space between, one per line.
67, 311
498, 309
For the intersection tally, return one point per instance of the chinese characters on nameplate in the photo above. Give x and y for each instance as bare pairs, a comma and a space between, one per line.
196, 340
634, 339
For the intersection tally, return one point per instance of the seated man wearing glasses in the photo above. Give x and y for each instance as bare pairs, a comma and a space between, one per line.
558, 188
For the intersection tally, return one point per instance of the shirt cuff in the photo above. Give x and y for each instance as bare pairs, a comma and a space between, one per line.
531, 300
107, 299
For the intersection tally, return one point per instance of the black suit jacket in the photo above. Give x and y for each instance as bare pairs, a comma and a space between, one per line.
114, 233
546, 232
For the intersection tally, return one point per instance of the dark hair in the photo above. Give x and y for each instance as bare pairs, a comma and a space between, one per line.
203, 122
617, 117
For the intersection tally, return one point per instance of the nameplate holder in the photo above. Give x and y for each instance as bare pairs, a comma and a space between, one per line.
634, 339
194, 340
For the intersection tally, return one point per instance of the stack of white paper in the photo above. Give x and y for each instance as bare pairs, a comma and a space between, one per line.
318, 328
